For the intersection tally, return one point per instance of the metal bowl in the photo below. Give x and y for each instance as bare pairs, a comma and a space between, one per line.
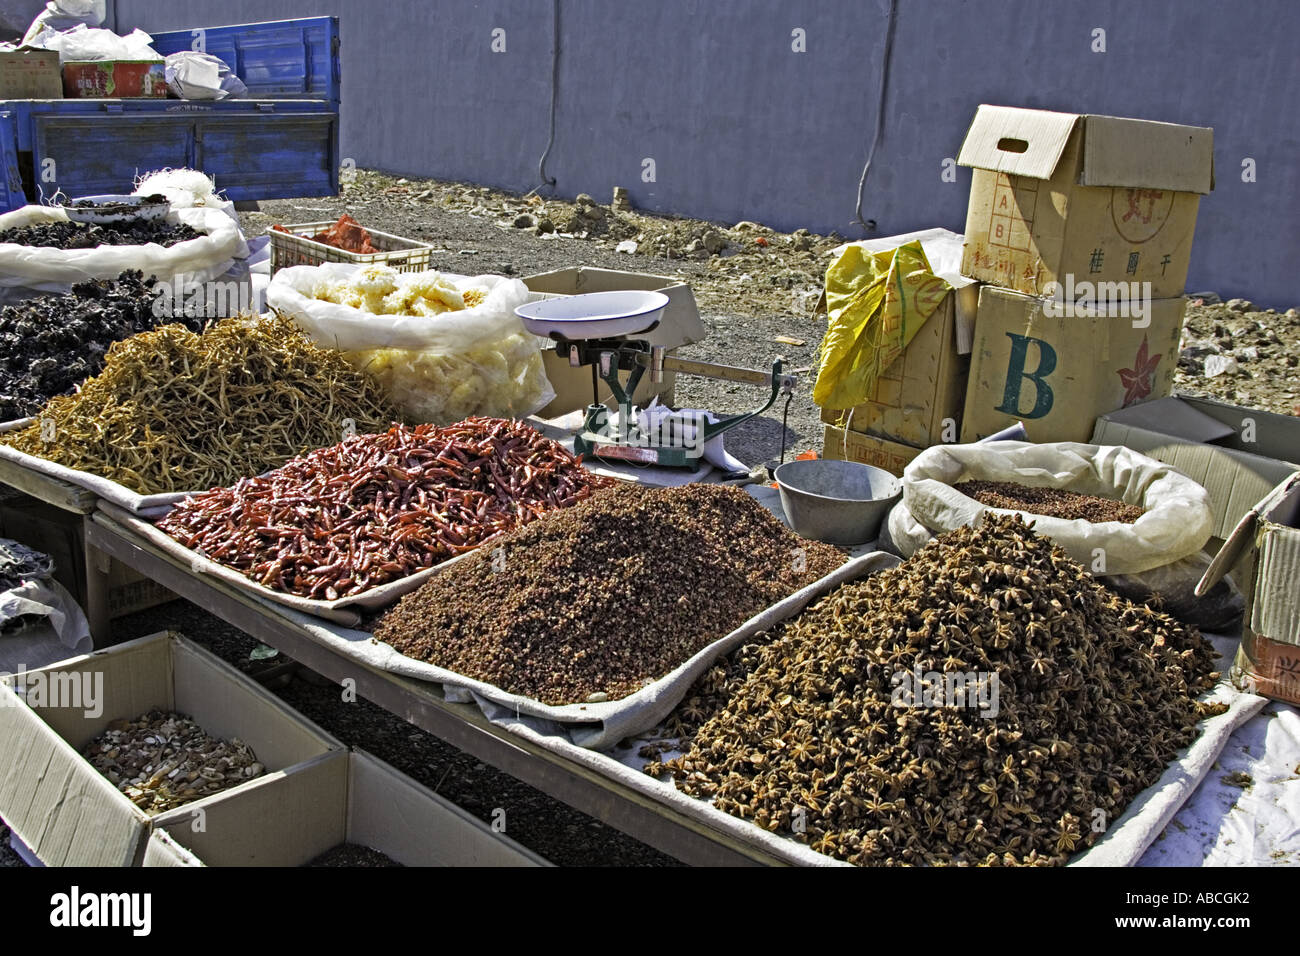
594, 315
114, 208
839, 502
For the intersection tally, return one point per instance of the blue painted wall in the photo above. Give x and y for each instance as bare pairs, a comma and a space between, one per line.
742, 127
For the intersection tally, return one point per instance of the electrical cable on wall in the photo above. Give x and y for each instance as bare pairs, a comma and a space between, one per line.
870, 224
555, 84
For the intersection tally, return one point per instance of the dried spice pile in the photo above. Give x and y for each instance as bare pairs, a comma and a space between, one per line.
346, 234
353, 855
1052, 502
375, 508
596, 601
807, 733
162, 761
81, 235
173, 410
50, 343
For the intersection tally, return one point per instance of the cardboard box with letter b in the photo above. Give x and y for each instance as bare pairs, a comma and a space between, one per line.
1056, 367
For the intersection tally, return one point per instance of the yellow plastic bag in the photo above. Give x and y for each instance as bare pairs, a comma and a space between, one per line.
875, 303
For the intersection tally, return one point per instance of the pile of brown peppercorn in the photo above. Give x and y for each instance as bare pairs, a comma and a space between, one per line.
804, 732
595, 601
1052, 502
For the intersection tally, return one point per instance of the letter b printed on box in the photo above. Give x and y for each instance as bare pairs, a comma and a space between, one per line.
1017, 373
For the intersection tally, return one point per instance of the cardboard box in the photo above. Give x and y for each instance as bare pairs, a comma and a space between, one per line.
1057, 373
60, 534
921, 394
71, 815
1059, 196
681, 325
114, 79
30, 75
845, 445
359, 799
1264, 549
1237, 454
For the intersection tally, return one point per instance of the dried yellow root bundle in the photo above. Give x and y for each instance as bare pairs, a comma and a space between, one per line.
178, 411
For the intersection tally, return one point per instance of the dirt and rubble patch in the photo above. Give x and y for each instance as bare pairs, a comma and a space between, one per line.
1240, 353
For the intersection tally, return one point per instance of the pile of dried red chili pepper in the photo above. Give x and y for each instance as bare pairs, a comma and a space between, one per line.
376, 508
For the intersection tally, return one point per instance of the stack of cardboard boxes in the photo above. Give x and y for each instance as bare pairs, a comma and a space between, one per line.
1080, 228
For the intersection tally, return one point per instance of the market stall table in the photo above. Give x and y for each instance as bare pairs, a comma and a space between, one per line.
587, 780
77, 501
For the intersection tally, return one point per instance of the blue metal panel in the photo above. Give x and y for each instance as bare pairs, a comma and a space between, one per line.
282, 58
11, 186
270, 156
104, 153
283, 143
250, 153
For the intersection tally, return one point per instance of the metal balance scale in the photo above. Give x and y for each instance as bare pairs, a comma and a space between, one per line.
600, 329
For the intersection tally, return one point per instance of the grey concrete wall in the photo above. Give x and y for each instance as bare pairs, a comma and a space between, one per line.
742, 127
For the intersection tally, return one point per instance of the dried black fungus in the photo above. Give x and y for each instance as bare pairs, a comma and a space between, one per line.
80, 235
51, 343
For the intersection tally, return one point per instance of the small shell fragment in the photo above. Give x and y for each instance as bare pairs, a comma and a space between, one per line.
161, 761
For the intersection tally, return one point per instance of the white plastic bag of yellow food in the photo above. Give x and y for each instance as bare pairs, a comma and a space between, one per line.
444, 346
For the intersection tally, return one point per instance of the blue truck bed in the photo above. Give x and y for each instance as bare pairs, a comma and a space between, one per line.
282, 141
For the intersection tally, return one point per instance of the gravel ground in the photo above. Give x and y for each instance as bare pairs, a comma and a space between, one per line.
1239, 353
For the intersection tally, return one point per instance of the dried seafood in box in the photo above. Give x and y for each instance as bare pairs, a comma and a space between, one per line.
173, 410
162, 761
375, 508
987, 702
595, 602
346, 234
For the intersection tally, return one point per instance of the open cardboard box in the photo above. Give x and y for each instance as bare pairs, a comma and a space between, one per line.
1238, 454
680, 325
1058, 198
355, 798
1265, 549
68, 814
